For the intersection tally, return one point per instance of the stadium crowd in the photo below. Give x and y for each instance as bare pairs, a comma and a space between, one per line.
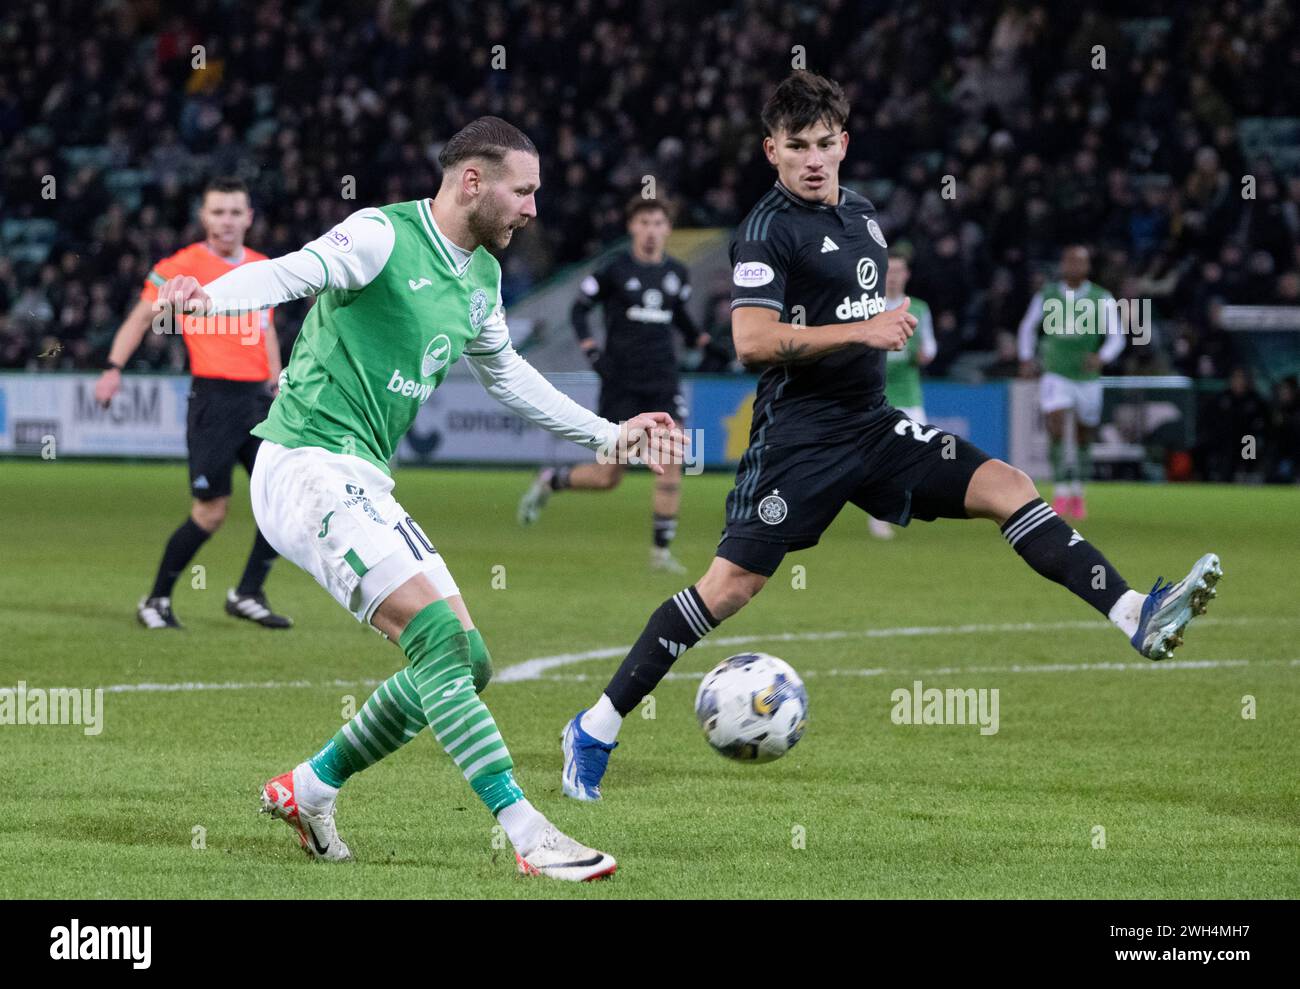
990, 134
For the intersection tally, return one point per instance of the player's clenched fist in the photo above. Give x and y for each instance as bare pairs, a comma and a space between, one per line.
182, 294
890, 330
652, 438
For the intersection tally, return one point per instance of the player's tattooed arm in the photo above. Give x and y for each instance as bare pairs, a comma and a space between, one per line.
761, 338
789, 352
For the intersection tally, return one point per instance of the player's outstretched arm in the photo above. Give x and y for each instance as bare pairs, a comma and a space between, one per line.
516, 384
761, 337
349, 257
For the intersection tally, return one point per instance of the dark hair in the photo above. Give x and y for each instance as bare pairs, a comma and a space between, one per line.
640, 204
486, 137
226, 183
804, 99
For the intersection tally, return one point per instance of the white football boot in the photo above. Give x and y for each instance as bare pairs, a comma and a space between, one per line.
316, 832
560, 857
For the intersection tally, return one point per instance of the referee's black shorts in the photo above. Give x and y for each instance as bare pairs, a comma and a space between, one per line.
786, 496
220, 415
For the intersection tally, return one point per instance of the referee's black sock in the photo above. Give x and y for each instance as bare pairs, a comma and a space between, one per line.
260, 558
181, 547
1049, 545
676, 625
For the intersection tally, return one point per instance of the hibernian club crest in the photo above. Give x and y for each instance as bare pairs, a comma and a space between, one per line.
478, 308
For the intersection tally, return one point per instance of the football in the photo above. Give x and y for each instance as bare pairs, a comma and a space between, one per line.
752, 707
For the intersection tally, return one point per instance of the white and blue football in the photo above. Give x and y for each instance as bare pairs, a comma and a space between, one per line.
752, 707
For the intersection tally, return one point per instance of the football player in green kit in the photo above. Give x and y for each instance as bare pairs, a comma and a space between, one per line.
1079, 335
903, 367
402, 293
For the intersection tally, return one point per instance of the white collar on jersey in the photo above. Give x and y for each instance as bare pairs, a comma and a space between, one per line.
458, 253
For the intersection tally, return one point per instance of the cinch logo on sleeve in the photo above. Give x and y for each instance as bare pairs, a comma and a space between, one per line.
339, 240
751, 274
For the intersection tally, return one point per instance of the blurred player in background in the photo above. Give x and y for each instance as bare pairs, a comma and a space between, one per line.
644, 294
402, 293
903, 367
1072, 353
235, 364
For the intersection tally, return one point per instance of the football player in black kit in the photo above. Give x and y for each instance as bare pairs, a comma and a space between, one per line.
644, 293
808, 303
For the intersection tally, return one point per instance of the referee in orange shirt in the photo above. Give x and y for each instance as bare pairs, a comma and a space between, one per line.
235, 364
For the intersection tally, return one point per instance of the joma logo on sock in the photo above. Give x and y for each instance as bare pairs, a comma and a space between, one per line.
77, 943
932, 706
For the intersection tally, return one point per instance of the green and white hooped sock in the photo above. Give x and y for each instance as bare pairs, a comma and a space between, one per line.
390, 718
439, 651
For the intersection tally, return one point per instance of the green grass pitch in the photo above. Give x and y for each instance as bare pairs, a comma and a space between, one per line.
1195, 800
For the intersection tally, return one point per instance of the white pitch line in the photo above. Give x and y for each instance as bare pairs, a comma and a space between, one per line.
170, 688
531, 670
1190, 664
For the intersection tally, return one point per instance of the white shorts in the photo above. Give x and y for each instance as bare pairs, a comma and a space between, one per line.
335, 516
1056, 392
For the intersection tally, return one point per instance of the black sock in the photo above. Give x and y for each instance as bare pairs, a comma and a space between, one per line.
181, 547
676, 625
560, 479
1049, 545
665, 528
260, 558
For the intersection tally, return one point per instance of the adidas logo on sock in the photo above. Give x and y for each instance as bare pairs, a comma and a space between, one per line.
1074, 538
675, 649
829, 245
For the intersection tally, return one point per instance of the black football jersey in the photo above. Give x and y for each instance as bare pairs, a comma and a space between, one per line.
815, 264
642, 303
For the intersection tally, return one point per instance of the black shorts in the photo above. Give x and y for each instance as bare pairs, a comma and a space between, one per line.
786, 495
217, 425
618, 404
